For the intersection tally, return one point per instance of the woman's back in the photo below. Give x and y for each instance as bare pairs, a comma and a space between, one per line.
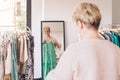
88, 60
95, 60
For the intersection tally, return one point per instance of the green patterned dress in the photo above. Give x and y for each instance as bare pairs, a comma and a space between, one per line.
48, 58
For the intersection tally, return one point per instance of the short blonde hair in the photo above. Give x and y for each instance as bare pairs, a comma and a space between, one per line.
88, 13
46, 27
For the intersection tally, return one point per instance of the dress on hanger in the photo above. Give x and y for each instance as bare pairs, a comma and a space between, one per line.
14, 74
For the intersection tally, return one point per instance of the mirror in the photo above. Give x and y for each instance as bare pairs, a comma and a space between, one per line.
53, 44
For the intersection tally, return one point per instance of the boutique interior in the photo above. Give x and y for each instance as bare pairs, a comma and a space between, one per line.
21, 32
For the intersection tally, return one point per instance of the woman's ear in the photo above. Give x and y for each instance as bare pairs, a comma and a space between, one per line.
80, 24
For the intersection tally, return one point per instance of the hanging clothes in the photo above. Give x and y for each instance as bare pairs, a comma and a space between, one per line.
14, 73
22, 64
1, 65
4, 47
26, 68
111, 39
111, 36
30, 61
119, 39
8, 60
1, 70
116, 39
17, 56
49, 58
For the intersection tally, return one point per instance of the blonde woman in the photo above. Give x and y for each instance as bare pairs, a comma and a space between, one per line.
49, 53
92, 58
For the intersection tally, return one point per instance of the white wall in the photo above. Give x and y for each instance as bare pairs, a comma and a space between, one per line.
61, 10
36, 18
116, 12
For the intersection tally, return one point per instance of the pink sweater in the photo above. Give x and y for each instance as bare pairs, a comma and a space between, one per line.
88, 60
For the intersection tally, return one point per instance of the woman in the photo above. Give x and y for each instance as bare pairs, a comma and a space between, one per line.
49, 53
92, 58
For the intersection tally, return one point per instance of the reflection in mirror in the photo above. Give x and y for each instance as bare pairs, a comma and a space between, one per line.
53, 44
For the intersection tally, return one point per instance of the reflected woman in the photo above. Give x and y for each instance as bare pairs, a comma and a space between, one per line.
49, 54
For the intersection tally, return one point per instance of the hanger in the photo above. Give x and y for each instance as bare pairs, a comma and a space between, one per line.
116, 28
105, 28
28, 30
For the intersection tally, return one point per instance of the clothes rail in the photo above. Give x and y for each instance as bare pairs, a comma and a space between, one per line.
16, 55
109, 26
27, 28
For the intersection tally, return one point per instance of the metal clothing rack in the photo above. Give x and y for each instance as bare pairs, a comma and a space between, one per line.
27, 28
116, 26
7, 33
109, 26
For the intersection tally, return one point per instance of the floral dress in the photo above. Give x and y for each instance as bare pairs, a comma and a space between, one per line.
48, 58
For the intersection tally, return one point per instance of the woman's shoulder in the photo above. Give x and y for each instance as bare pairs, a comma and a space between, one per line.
72, 48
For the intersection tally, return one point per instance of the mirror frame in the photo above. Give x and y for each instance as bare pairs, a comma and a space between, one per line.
52, 21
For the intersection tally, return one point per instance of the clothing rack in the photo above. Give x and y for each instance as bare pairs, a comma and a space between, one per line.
116, 26
109, 26
111, 33
18, 68
6, 29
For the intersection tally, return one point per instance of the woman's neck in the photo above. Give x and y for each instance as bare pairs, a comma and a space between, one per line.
48, 36
90, 35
